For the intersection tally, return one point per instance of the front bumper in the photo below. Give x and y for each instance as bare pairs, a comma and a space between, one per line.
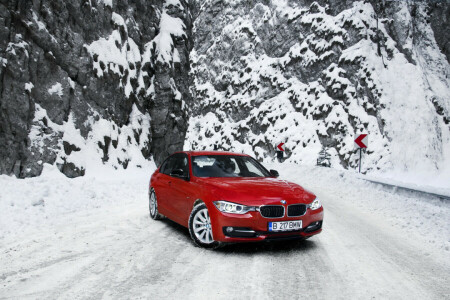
254, 227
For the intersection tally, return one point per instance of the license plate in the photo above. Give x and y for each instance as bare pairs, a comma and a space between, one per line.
285, 225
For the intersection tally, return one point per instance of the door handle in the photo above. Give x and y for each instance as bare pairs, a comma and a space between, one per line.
170, 182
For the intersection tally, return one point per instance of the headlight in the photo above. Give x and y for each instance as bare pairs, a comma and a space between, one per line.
315, 204
233, 208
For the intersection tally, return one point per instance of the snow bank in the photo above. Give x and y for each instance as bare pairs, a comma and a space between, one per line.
30, 204
423, 218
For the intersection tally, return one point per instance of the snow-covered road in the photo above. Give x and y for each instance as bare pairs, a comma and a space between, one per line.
369, 248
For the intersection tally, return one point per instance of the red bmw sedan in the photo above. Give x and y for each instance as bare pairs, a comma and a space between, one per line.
225, 197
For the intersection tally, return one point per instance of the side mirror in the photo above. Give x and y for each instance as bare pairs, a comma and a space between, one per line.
274, 173
178, 173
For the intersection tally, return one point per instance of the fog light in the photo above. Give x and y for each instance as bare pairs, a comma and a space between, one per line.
313, 225
239, 232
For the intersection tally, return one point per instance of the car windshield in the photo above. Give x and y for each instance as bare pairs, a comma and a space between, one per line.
227, 166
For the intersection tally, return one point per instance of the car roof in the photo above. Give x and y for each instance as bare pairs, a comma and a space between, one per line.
198, 153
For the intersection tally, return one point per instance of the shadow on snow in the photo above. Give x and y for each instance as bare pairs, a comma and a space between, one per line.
280, 246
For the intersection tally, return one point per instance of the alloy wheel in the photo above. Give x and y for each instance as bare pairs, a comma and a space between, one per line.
202, 226
152, 203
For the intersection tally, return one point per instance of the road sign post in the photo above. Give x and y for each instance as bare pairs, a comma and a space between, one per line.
360, 157
280, 156
362, 141
280, 151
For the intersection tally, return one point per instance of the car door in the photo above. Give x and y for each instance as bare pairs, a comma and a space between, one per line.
163, 189
181, 190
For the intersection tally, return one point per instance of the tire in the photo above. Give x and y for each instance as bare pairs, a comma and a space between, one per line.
200, 227
154, 214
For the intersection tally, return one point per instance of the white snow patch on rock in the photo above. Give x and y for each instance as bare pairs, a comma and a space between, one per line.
29, 86
56, 89
163, 41
107, 2
124, 143
40, 25
112, 54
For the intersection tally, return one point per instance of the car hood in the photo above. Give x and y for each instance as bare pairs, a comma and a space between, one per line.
258, 191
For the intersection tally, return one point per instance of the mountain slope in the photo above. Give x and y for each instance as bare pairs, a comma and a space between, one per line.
314, 76
89, 82
107, 82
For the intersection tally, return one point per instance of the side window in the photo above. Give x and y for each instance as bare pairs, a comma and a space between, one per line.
163, 166
253, 169
167, 166
181, 163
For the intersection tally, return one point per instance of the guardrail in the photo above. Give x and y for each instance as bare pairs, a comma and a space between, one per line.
446, 197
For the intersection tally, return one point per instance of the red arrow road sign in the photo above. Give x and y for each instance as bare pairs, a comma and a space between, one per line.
362, 141
280, 146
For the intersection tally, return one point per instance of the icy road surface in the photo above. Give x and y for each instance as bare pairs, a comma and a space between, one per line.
92, 238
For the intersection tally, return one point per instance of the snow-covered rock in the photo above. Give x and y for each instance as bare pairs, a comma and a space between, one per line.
316, 76
311, 74
92, 82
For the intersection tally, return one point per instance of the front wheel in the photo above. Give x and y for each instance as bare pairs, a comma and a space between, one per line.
200, 227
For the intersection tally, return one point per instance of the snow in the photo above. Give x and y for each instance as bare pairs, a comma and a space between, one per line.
56, 89
125, 144
121, 56
117, 19
169, 26
29, 86
40, 25
53, 199
419, 117
415, 214
91, 237
175, 3
34, 202
107, 2
176, 55
71, 83
12, 47
116, 55
428, 183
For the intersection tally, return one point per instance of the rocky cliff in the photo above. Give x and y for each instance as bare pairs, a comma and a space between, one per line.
115, 82
91, 81
315, 74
